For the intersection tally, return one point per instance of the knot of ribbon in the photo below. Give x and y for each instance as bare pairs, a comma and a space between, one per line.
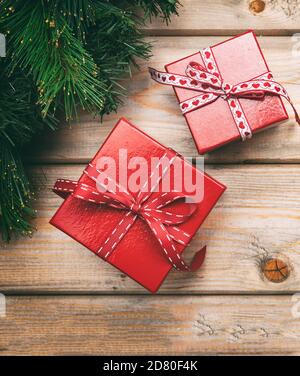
209, 82
158, 212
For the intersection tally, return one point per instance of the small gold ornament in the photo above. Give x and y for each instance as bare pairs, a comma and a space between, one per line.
52, 23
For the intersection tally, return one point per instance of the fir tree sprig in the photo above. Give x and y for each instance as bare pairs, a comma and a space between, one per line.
20, 119
61, 55
155, 8
115, 43
43, 45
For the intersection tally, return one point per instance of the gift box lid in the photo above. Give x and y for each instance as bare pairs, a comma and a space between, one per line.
138, 254
238, 59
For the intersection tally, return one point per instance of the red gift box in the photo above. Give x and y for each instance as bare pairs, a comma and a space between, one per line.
139, 251
214, 121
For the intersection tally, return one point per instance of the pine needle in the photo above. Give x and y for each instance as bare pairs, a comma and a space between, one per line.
61, 55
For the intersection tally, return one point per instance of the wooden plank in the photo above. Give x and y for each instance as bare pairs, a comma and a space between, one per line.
223, 17
150, 325
257, 217
154, 108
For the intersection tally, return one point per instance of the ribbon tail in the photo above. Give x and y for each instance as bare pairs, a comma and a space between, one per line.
64, 187
297, 117
198, 259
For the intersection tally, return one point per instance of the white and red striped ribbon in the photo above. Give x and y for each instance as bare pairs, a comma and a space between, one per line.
208, 81
161, 219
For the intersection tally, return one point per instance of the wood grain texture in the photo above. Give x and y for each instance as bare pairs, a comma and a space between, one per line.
226, 17
220, 309
149, 325
154, 109
258, 217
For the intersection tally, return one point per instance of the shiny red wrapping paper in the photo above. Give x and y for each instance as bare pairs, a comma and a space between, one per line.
239, 59
138, 254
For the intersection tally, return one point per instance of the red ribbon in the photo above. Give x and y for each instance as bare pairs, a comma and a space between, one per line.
208, 81
161, 219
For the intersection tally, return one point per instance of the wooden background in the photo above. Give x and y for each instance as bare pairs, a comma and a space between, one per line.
62, 299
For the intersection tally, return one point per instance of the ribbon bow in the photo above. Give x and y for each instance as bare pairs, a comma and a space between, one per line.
209, 82
156, 212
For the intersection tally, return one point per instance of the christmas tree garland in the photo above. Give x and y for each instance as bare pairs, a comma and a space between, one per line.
61, 55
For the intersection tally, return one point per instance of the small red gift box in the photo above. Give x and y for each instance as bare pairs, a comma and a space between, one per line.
140, 232
226, 92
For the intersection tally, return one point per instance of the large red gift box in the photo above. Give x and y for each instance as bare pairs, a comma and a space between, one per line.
139, 252
237, 60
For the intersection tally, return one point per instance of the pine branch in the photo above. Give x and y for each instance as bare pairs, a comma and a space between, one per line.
46, 48
20, 117
115, 43
19, 120
61, 54
15, 194
154, 8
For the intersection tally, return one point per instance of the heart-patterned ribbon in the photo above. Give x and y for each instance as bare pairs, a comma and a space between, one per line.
209, 82
156, 212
